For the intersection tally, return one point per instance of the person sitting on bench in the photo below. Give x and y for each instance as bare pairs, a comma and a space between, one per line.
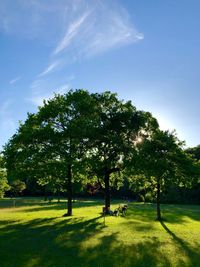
116, 212
124, 209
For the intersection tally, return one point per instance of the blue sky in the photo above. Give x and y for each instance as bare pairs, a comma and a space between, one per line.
146, 51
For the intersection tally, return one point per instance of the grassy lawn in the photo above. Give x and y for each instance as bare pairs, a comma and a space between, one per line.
34, 234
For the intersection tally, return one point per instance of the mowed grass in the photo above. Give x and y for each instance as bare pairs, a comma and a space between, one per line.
34, 234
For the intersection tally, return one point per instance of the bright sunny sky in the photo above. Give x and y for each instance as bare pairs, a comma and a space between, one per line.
146, 51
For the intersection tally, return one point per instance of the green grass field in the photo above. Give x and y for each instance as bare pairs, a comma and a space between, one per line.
34, 234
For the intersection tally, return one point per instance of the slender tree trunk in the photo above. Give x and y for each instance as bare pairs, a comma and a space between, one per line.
107, 191
45, 194
58, 195
69, 191
158, 202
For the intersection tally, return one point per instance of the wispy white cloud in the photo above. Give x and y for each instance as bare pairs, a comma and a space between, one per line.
73, 30
79, 28
39, 95
15, 80
91, 31
36, 84
71, 33
39, 16
6, 120
51, 68
90, 28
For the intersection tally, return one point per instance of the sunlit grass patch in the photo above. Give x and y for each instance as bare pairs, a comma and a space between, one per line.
34, 234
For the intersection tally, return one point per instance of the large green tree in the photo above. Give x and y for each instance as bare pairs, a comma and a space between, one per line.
119, 127
53, 142
75, 134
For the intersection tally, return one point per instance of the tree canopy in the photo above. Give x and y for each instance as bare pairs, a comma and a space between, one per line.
82, 137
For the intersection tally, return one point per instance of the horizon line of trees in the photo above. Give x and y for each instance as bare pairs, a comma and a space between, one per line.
80, 138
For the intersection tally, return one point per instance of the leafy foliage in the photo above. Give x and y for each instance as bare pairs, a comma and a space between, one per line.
194, 151
17, 187
4, 186
96, 141
164, 163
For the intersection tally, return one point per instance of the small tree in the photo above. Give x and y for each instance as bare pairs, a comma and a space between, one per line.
163, 161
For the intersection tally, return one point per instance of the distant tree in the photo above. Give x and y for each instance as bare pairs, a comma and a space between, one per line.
164, 162
17, 187
4, 186
194, 151
93, 188
142, 187
194, 192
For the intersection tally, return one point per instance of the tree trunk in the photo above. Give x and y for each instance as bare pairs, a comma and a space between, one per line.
45, 194
107, 191
158, 202
69, 191
58, 195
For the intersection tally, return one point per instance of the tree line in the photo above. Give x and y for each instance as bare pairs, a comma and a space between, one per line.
96, 138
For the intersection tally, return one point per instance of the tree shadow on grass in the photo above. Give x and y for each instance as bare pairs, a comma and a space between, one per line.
75, 242
21, 201
146, 211
177, 213
47, 243
138, 211
193, 254
172, 213
45, 206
